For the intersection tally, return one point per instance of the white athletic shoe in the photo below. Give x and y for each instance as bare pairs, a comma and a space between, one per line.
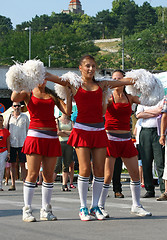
46, 214
96, 212
84, 214
27, 214
104, 212
140, 211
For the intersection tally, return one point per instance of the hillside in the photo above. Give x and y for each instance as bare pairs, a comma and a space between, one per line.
108, 45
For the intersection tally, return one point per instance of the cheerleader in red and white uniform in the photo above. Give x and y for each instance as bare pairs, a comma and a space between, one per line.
41, 145
117, 125
88, 135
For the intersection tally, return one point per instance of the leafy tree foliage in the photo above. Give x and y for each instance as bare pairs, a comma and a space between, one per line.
5, 25
64, 38
146, 17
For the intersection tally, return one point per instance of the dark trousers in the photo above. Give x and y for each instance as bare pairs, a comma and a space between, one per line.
117, 186
150, 149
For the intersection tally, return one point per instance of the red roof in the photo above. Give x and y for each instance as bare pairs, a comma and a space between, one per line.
75, 1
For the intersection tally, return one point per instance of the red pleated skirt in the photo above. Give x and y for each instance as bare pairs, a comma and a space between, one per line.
90, 139
124, 149
42, 146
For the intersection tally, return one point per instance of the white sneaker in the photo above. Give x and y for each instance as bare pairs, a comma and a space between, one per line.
140, 211
96, 212
104, 212
84, 214
46, 214
27, 214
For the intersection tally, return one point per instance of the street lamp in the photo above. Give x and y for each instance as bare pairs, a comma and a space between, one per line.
29, 28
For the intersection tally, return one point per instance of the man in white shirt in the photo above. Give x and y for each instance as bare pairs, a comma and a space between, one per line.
18, 124
150, 147
163, 142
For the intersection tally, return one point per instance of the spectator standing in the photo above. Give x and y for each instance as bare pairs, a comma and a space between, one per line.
4, 149
17, 123
150, 148
116, 180
163, 142
64, 126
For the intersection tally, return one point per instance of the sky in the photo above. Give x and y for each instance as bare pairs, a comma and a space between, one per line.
24, 10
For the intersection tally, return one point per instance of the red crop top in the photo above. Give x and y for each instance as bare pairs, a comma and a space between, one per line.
117, 116
41, 112
89, 105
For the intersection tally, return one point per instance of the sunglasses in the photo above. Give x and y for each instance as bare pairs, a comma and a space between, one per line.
16, 105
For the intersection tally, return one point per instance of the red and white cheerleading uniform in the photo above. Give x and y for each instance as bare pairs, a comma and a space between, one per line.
89, 130
39, 141
117, 117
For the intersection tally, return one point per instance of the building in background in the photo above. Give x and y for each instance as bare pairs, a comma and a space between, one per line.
74, 7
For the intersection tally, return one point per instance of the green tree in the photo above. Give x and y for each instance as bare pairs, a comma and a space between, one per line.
146, 17
125, 11
162, 63
5, 25
142, 49
105, 23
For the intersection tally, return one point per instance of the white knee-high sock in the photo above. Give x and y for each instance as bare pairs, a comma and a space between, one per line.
135, 191
103, 195
47, 189
83, 184
97, 188
29, 189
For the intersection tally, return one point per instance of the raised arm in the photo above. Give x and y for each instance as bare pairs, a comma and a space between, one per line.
119, 83
55, 79
20, 96
67, 108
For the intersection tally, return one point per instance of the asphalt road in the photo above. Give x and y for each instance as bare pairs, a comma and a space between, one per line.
121, 225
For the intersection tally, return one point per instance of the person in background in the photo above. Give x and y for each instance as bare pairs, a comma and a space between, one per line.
116, 180
64, 126
150, 148
163, 142
17, 123
4, 149
71, 174
41, 145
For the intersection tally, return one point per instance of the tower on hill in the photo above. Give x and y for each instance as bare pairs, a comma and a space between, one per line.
74, 7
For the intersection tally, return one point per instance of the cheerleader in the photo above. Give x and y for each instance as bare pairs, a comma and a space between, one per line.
117, 125
88, 135
41, 145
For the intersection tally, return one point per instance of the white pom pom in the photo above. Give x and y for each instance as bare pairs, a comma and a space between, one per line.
35, 70
15, 78
72, 78
25, 76
147, 87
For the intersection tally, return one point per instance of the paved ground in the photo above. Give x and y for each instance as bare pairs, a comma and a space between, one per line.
121, 225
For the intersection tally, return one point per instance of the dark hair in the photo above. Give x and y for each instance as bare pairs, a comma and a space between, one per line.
123, 74
1, 115
119, 70
53, 95
87, 56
